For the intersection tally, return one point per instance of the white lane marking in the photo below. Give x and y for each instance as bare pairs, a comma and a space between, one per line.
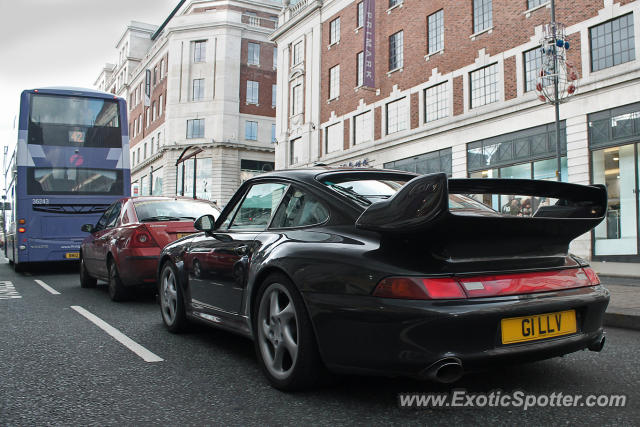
47, 287
145, 354
8, 291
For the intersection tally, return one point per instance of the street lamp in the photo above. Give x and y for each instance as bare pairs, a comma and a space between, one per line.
556, 68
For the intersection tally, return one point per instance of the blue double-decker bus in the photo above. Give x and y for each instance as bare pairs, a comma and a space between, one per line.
70, 163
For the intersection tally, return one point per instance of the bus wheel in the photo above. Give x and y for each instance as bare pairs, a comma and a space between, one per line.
86, 281
117, 291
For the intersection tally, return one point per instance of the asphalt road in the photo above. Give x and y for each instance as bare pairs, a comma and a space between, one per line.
58, 368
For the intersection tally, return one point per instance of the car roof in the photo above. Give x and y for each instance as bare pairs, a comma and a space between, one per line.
311, 175
160, 198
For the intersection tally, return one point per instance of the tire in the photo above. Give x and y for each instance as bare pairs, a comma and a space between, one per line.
117, 291
283, 337
86, 281
171, 300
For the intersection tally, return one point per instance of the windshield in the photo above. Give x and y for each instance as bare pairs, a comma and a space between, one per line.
74, 121
173, 210
73, 181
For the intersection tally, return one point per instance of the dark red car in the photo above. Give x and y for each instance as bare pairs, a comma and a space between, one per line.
124, 246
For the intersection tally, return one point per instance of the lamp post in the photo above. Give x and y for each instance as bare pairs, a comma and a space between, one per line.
558, 71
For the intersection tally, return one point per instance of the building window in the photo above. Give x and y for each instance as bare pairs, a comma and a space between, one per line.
612, 43
393, 3
334, 82
334, 138
158, 143
433, 162
396, 43
133, 157
195, 128
148, 116
274, 91
155, 75
152, 145
273, 132
139, 123
199, 48
334, 31
254, 54
296, 151
535, 3
160, 106
484, 86
482, 15
135, 127
360, 15
436, 102
144, 151
138, 156
296, 105
251, 130
298, 53
435, 23
161, 69
275, 58
252, 92
198, 89
396, 116
155, 110
359, 69
532, 67
362, 128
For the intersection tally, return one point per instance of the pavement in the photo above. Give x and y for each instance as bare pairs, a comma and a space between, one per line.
624, 307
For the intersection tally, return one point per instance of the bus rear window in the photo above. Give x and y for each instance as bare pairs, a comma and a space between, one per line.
74, 121
78, 181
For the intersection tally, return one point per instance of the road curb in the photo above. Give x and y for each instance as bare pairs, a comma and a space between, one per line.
621, 319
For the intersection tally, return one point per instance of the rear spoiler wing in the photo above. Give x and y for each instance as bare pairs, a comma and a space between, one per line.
420, 209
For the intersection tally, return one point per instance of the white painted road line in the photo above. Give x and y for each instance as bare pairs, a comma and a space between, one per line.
8, 291
47, 287
145, 354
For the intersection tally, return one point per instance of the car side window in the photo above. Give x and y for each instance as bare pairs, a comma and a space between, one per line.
258, 205
299, 209
104, 219
113, 216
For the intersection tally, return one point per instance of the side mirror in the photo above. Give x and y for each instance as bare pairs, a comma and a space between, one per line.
87, 228
204, 223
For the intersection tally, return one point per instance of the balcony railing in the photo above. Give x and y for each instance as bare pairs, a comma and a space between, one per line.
298, 7
255, 21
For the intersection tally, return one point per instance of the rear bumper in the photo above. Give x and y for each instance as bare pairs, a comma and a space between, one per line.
401, 337
138, 266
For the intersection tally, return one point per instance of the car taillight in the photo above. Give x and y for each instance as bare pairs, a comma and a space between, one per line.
417, 288
592, 275
21, 229
485, 286
141, 238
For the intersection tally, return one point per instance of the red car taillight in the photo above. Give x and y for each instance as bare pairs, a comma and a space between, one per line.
591, 274
141, 238
485, 286
416, 288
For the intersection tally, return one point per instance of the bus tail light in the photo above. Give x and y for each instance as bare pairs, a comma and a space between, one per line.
141, 238
21, 221
21, 229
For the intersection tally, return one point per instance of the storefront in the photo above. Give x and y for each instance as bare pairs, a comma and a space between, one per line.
435, 161
614, 142
526, 154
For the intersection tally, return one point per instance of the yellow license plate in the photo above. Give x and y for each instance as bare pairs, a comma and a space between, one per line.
72, 255
538, 326
181, 235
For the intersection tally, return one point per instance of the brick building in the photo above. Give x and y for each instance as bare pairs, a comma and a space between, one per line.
199, 89
454, 92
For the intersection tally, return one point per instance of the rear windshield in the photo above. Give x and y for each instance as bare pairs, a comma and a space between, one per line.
76, 181
368, 191
173, 210
74, 121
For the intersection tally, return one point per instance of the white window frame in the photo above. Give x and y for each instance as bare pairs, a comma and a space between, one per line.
334, 82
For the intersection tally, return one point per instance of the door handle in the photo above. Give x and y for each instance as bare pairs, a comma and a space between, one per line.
241, 250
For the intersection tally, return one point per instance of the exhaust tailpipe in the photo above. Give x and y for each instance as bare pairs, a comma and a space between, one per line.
447, 370
597, 345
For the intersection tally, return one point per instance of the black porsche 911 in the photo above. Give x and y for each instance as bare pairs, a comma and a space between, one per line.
386, 272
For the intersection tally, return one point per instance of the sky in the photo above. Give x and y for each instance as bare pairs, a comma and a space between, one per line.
61, 43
